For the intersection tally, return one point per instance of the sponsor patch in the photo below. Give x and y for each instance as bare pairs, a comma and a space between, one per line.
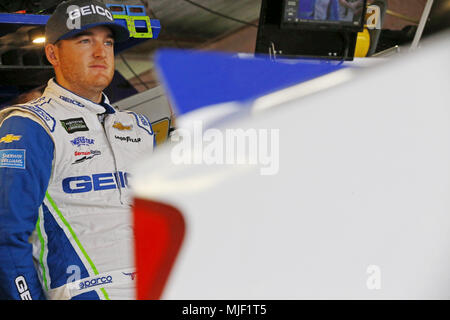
9, 138
41, 113
132, 275
82, 141
22, 288
128, 139
143, 122
69, 100
96, 182
121, 127
95, 282
88, 10
74, 124
85, 155
12, 158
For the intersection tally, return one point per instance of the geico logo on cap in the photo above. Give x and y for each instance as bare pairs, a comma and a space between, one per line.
88, 10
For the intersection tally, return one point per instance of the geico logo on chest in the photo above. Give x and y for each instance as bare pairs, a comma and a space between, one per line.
96, 182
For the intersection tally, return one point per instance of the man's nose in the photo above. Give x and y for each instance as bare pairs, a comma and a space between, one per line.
99, 49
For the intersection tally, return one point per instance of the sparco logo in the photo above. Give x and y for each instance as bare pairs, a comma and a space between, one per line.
77, 103
95, 282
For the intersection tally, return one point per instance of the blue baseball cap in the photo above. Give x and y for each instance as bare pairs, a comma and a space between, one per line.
74, 16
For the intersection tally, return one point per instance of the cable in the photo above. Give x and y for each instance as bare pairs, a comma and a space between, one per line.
401, 16
132, 71
148, 82
221, 14
344, 36
151, 13
148, 10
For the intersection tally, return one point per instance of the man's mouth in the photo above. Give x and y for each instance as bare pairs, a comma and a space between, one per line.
98, 66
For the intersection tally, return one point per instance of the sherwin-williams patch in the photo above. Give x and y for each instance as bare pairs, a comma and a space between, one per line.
74, 125
12, 158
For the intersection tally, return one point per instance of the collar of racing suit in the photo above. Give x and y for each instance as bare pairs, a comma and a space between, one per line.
67, 97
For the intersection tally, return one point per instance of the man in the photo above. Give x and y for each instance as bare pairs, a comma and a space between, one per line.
326, 10
306, 9
349, 9
63, 170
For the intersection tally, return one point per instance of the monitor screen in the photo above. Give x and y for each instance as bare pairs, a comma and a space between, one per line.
324, 14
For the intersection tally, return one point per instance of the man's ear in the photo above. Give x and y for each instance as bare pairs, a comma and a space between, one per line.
51, 51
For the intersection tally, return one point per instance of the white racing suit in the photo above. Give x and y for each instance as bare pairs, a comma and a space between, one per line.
64, 181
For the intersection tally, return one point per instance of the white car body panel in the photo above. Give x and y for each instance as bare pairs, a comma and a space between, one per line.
359, 208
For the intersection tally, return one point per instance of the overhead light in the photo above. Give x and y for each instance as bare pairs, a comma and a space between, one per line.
37, 35
39, 40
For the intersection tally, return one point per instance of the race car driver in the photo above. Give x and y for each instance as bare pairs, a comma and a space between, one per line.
65, 222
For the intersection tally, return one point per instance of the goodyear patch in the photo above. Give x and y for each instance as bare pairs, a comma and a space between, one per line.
9, 138
74, 125
12, 158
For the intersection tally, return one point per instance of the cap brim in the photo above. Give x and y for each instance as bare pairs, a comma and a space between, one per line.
120, 33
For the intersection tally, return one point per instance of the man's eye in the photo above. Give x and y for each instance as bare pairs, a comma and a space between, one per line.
109, 43
84, 41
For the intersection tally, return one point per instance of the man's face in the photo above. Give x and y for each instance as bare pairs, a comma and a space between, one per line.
86, 61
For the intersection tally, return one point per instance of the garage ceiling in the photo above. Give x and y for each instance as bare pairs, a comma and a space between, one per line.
186, 25
191, 24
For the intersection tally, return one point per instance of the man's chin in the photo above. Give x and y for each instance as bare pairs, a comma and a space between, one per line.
100, 82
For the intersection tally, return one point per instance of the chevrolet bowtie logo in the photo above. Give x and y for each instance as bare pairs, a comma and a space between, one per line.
10, 138
120, 126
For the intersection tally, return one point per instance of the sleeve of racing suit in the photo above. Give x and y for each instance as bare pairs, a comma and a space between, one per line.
26, 155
